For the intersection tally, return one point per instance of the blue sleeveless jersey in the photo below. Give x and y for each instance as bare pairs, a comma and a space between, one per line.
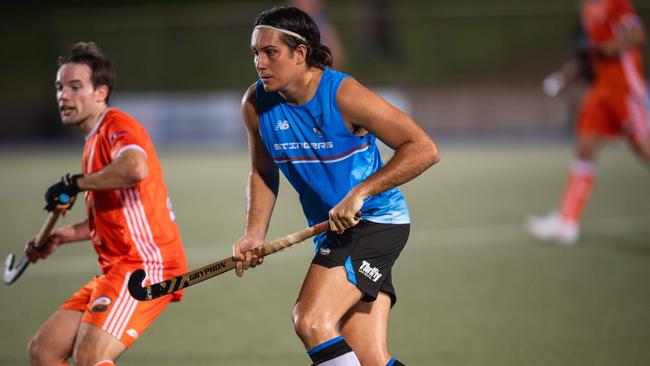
320, 157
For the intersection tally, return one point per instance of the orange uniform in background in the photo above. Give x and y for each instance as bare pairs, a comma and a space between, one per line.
618, 99
130, 228
616, 105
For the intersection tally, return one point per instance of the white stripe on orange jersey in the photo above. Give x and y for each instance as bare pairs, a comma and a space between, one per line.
129, 147
632, 75
127, 317
123, 316
150, 245
118, 306
158, 260
638, 116
137, 236
141, 234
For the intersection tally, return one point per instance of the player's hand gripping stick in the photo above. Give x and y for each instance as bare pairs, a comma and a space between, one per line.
11, 273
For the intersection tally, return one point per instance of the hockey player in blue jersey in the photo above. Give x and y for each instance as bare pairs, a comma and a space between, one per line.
318, 126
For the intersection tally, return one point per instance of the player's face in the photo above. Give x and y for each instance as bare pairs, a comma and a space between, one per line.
594, 9
77, 99
275, 63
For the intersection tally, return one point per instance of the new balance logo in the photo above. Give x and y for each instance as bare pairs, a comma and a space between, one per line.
282, 125
370, 272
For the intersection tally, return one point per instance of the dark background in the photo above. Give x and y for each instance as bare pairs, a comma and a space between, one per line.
464, 53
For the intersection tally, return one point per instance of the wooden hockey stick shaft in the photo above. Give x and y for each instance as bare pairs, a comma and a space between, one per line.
11, 273
48, 225
145, 293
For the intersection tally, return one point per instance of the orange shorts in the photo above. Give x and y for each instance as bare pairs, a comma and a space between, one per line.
107, 304
611, 114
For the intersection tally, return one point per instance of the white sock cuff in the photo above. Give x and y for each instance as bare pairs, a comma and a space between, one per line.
348, 359
105, 363
583, 167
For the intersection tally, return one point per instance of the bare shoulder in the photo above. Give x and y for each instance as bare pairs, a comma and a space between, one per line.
250, 96
350, 90
249, 109
362, 107
353, 96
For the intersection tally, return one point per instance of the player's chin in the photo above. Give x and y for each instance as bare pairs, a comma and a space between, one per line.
269, 86
68, 120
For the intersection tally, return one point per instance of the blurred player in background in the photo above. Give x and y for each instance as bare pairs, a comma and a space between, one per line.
616, 104
130, 222
574, 70
329, 36
318, 127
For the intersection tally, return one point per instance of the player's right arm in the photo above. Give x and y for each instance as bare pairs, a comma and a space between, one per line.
126, 170
262, 188
66, 234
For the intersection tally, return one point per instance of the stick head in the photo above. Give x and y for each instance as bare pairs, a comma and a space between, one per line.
9, 266
135, 286
12, 273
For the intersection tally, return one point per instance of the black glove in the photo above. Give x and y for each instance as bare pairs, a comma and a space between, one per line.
66, 186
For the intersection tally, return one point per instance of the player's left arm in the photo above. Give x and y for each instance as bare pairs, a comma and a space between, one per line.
414, 150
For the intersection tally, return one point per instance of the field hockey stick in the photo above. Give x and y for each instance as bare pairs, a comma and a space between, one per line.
11, 273
191, 278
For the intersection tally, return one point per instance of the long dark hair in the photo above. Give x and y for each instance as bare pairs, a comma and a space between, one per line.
87, 53
295, 20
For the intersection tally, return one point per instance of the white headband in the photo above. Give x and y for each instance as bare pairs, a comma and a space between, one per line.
294, 34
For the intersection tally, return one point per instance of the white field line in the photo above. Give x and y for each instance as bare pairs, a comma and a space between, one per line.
421, 239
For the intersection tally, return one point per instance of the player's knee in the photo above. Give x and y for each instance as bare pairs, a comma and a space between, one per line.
33, 350
644, 157
312, 325
37, 351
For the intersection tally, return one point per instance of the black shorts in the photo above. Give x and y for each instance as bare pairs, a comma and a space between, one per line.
368, 251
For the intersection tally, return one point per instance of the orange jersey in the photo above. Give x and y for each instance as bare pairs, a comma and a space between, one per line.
131, 225
604, 21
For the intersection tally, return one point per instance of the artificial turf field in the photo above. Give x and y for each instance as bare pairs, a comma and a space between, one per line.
473, 287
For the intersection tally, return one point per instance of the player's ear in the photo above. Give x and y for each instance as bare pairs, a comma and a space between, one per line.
101, 93
301, 54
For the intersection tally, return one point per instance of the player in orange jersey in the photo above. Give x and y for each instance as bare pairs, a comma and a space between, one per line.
130, 222
616, 104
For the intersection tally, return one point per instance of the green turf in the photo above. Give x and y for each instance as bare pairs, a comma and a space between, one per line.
473, 288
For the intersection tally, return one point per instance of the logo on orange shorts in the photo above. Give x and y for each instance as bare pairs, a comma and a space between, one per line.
100, 304
132, 333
